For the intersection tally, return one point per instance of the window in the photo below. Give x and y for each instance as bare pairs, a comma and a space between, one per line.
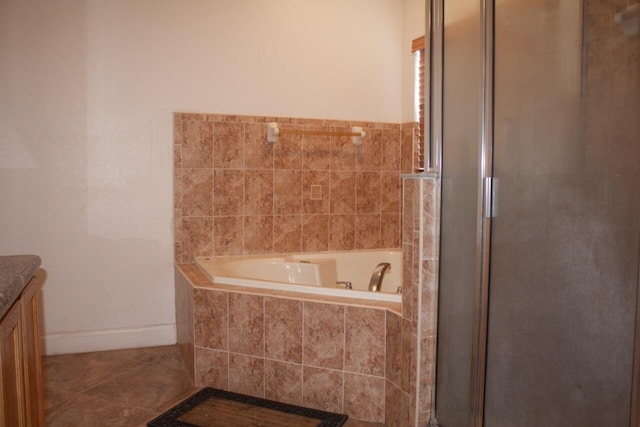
417, 47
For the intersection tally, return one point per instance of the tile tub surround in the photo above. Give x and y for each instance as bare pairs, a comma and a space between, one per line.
236, 194
414, 334
409, 343
333, 356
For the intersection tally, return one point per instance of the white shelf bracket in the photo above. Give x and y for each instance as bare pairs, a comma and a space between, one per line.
357, 140
272, 132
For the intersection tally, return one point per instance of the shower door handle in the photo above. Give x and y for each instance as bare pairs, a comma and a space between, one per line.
490, 185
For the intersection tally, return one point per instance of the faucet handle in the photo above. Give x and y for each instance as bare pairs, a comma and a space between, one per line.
347, 284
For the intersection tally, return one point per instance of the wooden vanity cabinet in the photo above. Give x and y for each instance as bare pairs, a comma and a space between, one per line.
12, 382
21, 390
32, 356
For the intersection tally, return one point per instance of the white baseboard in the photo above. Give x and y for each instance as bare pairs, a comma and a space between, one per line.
108, 339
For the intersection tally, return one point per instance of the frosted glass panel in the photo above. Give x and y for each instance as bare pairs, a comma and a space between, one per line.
564, 242
565, 233
461, 136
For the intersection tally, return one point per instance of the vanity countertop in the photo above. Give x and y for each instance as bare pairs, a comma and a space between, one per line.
15, 273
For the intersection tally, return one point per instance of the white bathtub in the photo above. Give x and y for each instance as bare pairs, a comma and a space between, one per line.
315, 273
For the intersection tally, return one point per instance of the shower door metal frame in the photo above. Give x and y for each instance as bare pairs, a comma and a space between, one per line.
486, 186
434, 41
634, 418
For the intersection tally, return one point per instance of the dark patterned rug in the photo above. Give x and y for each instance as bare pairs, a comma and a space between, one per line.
211, 407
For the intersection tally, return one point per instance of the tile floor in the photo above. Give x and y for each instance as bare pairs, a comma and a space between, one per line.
117, 388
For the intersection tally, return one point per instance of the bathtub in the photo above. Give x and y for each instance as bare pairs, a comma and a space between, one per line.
322, 273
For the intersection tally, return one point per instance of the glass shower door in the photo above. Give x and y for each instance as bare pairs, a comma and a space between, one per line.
460, 228
566, 227
559, 282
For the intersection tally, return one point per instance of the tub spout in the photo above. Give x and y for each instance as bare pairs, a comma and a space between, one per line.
347, 284
378, 274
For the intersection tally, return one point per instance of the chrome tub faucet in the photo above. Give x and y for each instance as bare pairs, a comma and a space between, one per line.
378, 274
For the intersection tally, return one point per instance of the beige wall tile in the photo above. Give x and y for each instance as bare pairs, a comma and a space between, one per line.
246, 374
185, 321
228, 192
428, 367
314, 178
322, 389
177, 225
390, 190
408, 196
287, 152
177, 158
364, 397
211, 314
390, 231
258, 152
179, 252
365, 341
407, 364
429, 291
343, 192
343, 152
197, 234
315, 233
258, 234
197, 192
211, 368
397, 404
177, 191
228, 145
407, 264
316, 152
367, 232
393, 348
197, 147
228, 235
370, 156
283, 329
283, 382
342, 232
390, 148
309, 123
258, 192
599, 17
287, 233
415, 263
368, 192
323, 340
287, 192
246, 327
